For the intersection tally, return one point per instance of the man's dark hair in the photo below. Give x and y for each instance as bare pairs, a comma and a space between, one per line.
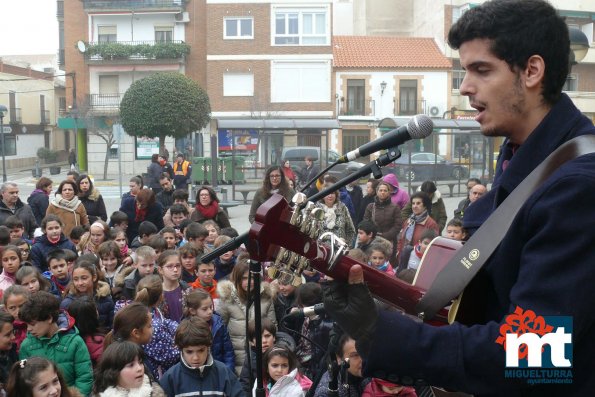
518, 30
178, 209
41, 306
368, 227
77, 232
180, 194
13, 222
157, 242
309, 294
4, 235
426, 200
193, 331
476, 180
229, 231
147, 228
73, 173
195, 230
57, 254
118, 217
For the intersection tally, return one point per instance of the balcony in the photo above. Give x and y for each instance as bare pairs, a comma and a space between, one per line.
60, 9
133, 52
409, 107
134, 5
104, 104
45, 117
15, 116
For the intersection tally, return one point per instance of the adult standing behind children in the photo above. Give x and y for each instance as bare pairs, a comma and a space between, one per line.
182, 172
91, 199
384, 213
67, 206
11, 204
142, 208
207, 208
40, 198
274, 182
437, 209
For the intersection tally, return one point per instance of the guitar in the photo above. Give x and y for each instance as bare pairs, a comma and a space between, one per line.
290, 238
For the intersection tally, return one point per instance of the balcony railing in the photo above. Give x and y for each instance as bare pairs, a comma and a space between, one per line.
105, 101
45, 117
15, 116
137, 50
409, 108
60, 8
133, 4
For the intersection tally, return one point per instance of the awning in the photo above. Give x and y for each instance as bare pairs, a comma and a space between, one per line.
277, 124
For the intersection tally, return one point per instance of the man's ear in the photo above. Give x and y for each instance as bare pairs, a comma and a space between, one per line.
534, 73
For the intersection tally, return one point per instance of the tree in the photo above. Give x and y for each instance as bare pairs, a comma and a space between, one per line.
164, 104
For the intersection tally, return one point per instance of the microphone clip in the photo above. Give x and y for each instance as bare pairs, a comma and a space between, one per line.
391, 155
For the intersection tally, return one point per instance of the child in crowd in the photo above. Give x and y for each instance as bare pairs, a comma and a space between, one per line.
30, 278
8, 352
97, 234
284, 300
180, 196
229, 232
455, 230
144, 266
111, 261
188, 254
25, 248
197, 370
86, 319
36, 376
77, 233
379, 257
14, 298
121, 372
170, 269
52, 239
85, 282
16, 227
52, 334
119, 220
224, 264
4, 236
60, 277
195, 235
11, 262
145, 230
358, 255
71, 257
182, 232
205, 279
170, 237
158, 243
281, 376
213, 229
200, 304
132, 323
178, 212
119, 237
411, 256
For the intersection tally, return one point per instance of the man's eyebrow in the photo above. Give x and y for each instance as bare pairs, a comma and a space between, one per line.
476, 64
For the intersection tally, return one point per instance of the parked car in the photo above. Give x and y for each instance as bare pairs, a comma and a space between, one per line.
425, 166
297, 154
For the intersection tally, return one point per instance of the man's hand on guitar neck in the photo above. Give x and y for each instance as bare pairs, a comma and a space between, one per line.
351, 305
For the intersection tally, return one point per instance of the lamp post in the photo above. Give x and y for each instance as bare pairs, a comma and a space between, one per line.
2, 111
579, 45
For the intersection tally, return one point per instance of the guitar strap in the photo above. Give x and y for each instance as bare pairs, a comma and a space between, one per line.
468, 260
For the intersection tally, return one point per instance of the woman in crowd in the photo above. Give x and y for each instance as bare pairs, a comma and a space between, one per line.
91, 199
274, 182
154, 170
40, 198
384, 213
289, 174
207, 208
336, 217
135, 184
419, 221
399, 196
141, 208
68, 207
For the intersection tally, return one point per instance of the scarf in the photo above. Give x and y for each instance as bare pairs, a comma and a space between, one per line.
412, 221
67, 205
116, 391
381, 268
54, 241
140, 213
417, 250
209, 211
211, 289
61, 285
330, 216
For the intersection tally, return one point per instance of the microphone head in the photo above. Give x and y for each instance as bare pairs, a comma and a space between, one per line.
420, 126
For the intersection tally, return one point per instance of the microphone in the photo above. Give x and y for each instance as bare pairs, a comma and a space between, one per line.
310, 311
418, 127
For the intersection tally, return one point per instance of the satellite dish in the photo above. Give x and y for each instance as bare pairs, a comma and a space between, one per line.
82, 47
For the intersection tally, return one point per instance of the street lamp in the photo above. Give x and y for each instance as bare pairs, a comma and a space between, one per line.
2, 111
382, 87
579, 45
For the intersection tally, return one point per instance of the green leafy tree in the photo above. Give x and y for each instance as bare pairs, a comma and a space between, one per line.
164, 104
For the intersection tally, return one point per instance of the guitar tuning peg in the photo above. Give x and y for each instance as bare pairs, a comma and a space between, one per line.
318, 214
299, 199
297, 281
273, 272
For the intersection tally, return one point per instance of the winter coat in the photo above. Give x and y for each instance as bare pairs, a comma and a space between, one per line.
233, 314
399, 196
70, 217
38, 201
291, 385
154, 171
213, 379
346, 199
20, 332
374, 389
220, 218
103, 301
94, 346
386, 216
419, 229
438, 210
223, 270
42, 247
160, 352
165, 198
167, 222
7, 358
260, 197
25, 214
357, 195
94, 206
154, 215
6, 280
67, 349
222, 348
148, 389
343, 226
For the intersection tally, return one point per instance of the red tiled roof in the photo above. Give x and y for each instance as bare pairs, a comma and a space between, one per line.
387, 52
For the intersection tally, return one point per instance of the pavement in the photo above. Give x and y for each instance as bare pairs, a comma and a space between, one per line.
110, 190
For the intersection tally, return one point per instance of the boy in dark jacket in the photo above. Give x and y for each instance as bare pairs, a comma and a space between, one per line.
197, 372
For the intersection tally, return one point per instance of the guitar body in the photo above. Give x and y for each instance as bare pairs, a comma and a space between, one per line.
272, 236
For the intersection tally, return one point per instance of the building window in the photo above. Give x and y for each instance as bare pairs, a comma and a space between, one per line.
408, 97
238, 28
107, 34
238, 84
571, 83
113, 152
356, 97
353, 139
164, 34
301, 27
457, 79
300, 81
11, 146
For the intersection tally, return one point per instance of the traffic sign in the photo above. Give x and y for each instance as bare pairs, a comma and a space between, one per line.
7, 130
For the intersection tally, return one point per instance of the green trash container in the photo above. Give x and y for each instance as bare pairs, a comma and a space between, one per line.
232, 169
238, 175
201, 170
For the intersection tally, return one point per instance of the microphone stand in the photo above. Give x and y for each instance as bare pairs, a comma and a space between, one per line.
255, 269
373, 167
333, 383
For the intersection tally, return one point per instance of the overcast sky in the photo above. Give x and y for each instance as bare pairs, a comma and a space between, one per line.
28, 27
